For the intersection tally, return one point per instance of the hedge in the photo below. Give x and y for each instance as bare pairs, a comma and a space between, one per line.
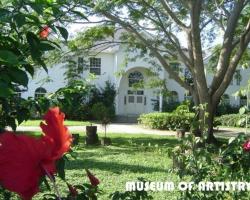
232, 120
166, 121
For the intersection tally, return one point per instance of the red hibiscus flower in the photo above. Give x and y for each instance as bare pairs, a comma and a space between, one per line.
93, 180
44, 33
246, 145
25, 159
72, 190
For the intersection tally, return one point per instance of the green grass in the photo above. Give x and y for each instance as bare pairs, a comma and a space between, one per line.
129, 157
67, 123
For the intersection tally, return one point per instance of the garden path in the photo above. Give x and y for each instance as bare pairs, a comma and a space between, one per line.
132, 128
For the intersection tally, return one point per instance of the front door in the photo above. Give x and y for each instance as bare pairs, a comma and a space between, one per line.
136, 102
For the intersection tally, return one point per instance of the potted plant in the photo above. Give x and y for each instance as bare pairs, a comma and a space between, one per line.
102, 114
91, 135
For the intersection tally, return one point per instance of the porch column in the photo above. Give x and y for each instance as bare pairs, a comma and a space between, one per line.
160, 103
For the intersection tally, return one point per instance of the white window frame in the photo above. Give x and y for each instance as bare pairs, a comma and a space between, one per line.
95, 64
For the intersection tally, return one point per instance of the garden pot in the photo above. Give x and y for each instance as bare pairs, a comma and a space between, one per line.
180, 133
106, 141
75, 139
91, 135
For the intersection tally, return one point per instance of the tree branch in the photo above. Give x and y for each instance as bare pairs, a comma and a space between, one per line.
172, 15
153, 50
224, 57
198, 70
244, 42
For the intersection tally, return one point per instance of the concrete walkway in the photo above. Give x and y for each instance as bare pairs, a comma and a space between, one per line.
112, 128
136, 129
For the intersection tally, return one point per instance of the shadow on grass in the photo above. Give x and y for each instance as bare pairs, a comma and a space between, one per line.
122, 141
167, 142
127, 149
111, 166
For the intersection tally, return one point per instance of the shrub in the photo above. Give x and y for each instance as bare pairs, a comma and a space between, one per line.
224, 109
169, 106
166, 121
106, 96
181, 118
100, 111
233, 120
200, 162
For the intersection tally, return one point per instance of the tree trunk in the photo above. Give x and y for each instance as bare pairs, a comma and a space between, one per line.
210, 123
206, 122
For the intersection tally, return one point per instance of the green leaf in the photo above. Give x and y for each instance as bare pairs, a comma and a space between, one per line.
80, 14
46, 46
63, 32
44, 180
242, 110
5, 91
4, 15
33, 19
11, 122
8, 57
42, 63
29, 68
18, 76
60, 165
20, 19
34, 43
37, 8
231, 140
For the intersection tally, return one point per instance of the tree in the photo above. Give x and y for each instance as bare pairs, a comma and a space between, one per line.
153, 27
29, 29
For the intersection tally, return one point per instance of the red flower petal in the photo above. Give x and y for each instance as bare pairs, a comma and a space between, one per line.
44, 33
23, 158
20, 158
56, 132
246, 145
72, 190
93, 180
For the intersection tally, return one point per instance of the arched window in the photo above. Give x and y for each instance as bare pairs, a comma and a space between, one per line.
40, 92
135, 78
225, 99
173, 98
243, 100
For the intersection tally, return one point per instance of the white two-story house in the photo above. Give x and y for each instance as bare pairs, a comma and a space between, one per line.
129, 101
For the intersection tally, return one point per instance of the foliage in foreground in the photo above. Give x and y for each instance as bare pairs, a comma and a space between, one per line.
202, 162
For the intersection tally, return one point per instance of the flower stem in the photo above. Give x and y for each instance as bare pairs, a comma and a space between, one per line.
54, 184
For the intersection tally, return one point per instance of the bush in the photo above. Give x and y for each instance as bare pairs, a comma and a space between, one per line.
199, 162
224, 109
166, 121
101, 112
106, 96
169, 106
77, 99
180, 118
233, 120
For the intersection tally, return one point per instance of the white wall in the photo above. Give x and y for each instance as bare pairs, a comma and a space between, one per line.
107, 69
55, 74
111, 63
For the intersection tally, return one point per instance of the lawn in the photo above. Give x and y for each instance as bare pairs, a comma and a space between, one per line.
129, 157
66, 122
